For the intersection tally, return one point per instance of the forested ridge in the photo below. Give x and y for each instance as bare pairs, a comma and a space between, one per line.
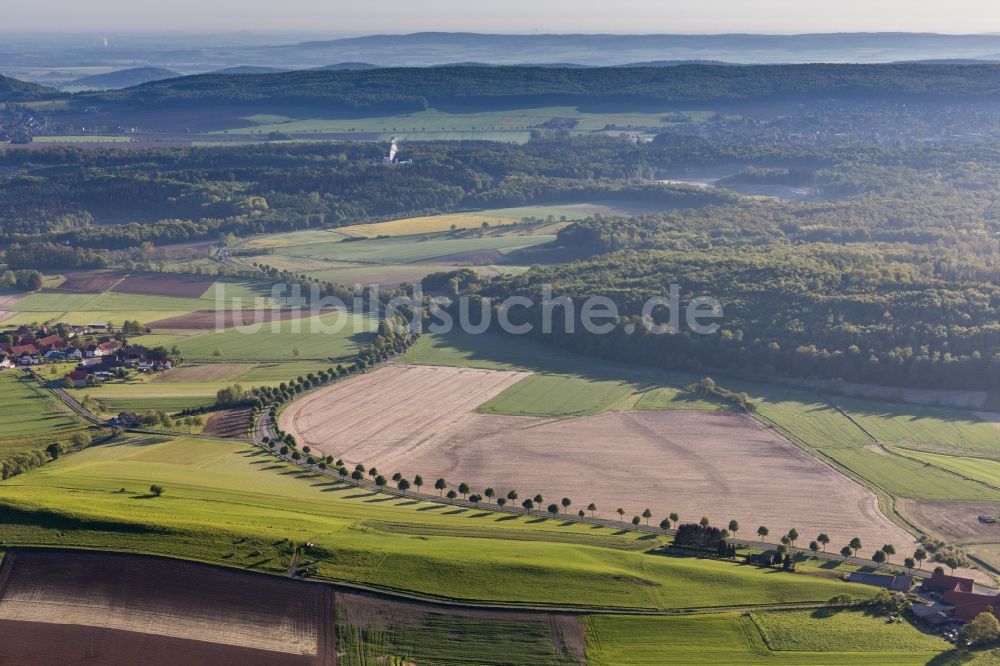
405, 89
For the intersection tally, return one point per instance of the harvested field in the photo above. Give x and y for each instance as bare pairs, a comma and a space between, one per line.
953, 521
228, 423
161, 284
71, 607
163, 598
206, 320
718, 464
89, 282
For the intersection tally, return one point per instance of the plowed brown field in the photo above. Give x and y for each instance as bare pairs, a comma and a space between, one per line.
420, 419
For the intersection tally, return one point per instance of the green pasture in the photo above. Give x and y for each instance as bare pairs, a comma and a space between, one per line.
789, 637
308, 338
407, 249
565, 384
979, 469
222, 502
431, 124
31, 414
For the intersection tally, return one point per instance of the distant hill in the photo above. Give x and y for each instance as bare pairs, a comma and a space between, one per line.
123, 78
349, 67
247, 69
412, 89
14, 90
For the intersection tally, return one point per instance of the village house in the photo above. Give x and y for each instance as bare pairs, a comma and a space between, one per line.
5, 362
79, 378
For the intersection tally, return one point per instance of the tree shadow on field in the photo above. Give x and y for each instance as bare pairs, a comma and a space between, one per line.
334, 488
323, 484
483, 514
454, 512
271, 467
360, 496
386, 498
431, 507
540, 519
567, 523
507, 517
828, 612
830, 564
408, 503
144, 496
649, 536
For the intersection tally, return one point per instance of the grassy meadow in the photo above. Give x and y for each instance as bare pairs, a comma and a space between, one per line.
232, 504
32, 416
786, 637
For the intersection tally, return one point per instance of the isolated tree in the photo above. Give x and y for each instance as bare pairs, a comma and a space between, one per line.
635, 521
538, 499
342, 471
785, 541
734, 526
647, 514
793, 536
512, 496
665, 524
475, 498
581, 513
814, 546
553, 509
704, 521
380, 481
418, 481
878, 556
373, 472
762, 532
528, 505
501, 501
359, 468
306, 449
952, 563
565, 503
403, 485
855, 545
464, 489
397, 476
451, 495
357, 476
54, 450
440, 485
846, 551
909, 562
621, 513
155, 490
889, 551
674, 518
591, 508
490, 493
920, 555
328, 460
824, 539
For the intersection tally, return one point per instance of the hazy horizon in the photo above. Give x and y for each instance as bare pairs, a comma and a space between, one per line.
777, 17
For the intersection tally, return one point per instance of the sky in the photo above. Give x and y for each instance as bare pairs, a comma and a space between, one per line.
339, 17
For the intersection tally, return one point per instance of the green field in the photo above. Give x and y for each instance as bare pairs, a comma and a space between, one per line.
220, 492
495, 217
448, 639
514, 125
979, 469
566, 384
288, 340
790, 637
32, 416
406, 250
